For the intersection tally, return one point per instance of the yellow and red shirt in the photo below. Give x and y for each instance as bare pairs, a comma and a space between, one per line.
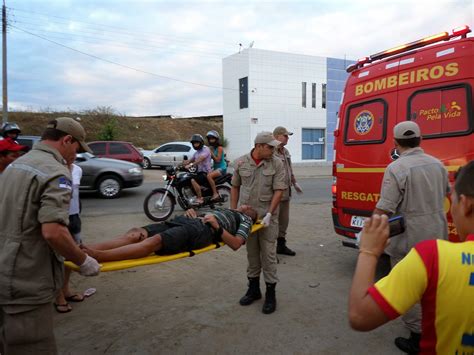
440, 275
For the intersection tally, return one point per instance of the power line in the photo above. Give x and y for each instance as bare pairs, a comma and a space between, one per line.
119, 28
123, 44
122, 65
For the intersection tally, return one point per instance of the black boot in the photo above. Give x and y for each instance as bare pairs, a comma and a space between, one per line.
270, 300
409, 345
253, 292
283, 249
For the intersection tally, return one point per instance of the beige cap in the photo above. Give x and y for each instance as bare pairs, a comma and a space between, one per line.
266, 138
71, 126
406, 130
281, 131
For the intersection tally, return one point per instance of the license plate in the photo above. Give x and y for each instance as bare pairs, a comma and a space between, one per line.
357, 221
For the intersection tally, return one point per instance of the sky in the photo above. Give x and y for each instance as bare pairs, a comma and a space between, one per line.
165, 57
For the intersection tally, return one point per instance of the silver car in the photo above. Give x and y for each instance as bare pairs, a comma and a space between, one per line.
167, 154
107, 176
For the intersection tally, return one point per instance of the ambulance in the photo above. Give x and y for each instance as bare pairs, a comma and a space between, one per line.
429, 81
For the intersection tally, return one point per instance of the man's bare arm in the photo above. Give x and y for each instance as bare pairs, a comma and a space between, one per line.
364, 313
234, 197
276, 198
59, 238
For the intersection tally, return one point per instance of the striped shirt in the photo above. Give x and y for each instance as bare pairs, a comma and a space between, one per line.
234, 222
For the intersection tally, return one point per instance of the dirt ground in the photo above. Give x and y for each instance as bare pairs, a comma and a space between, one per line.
190, 306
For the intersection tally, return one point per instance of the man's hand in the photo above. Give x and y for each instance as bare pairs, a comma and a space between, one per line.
191, 213
374, 234
267, 219
298, 187
211, 219
90, 267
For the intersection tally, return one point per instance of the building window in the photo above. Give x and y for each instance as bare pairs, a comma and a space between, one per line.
313, 95
323, 94
303, 94
313, 144
244, 92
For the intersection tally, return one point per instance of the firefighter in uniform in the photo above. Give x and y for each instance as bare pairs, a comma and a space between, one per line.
281, 134
34, 239
415, 186
259, 181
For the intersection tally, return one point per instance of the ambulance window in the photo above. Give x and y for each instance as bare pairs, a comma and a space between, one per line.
365, 122
442, 111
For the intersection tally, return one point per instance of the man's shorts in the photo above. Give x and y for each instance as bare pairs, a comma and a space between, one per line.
201, 178
181, 234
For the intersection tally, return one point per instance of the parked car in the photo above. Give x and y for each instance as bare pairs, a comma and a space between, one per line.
167, 154
29, 141
107, 176
116, 150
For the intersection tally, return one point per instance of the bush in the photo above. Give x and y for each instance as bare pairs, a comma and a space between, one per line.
109, 131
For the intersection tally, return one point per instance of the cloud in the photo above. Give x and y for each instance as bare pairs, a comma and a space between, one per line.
187, 41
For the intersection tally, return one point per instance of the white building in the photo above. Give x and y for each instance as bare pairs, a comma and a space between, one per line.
264, 89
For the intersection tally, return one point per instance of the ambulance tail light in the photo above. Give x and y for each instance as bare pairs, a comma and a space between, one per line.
334, 184
461, 31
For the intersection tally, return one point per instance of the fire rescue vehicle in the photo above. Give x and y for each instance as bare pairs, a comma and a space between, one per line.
428, 81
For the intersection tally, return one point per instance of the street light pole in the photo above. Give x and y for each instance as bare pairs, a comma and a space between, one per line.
4, 63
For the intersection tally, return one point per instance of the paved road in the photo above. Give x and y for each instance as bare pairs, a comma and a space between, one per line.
316, 190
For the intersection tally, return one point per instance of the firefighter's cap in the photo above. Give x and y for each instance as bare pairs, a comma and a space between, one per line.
406, 130
281, 131
266, 138
72, 127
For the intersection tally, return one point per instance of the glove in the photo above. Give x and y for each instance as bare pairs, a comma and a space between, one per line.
266, 220
90, 267
298, 188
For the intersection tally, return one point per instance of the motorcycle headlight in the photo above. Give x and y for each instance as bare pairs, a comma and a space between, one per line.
135, 171
165, 177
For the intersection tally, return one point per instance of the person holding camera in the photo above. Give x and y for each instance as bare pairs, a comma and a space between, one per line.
437, 273
415, 186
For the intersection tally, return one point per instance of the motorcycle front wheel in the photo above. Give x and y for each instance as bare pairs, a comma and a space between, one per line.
157, 207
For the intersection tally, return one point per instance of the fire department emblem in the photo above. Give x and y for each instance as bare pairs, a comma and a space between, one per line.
364, 122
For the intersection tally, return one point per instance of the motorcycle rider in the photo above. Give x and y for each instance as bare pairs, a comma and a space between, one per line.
220, 165
202, 159
11, 130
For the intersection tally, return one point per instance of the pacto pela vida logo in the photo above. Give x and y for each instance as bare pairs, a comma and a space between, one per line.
364, 122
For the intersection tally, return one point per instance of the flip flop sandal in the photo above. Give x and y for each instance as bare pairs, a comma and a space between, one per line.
74, 298
63, 308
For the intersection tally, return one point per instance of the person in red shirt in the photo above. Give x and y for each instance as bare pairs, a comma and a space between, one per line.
437, 273
9, 152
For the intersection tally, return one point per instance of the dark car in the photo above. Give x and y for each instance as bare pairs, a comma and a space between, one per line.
29, 141
116, 150
107, 176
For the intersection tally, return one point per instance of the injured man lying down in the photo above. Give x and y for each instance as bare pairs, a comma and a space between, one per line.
180, 234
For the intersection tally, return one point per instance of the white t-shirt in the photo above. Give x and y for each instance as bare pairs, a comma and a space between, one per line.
76, 173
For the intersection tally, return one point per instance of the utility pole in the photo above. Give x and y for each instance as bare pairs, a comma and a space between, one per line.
4, 63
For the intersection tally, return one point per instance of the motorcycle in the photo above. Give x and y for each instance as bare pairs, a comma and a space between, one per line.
160, 203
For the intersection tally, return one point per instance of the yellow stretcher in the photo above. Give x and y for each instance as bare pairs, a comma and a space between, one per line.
153, 259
